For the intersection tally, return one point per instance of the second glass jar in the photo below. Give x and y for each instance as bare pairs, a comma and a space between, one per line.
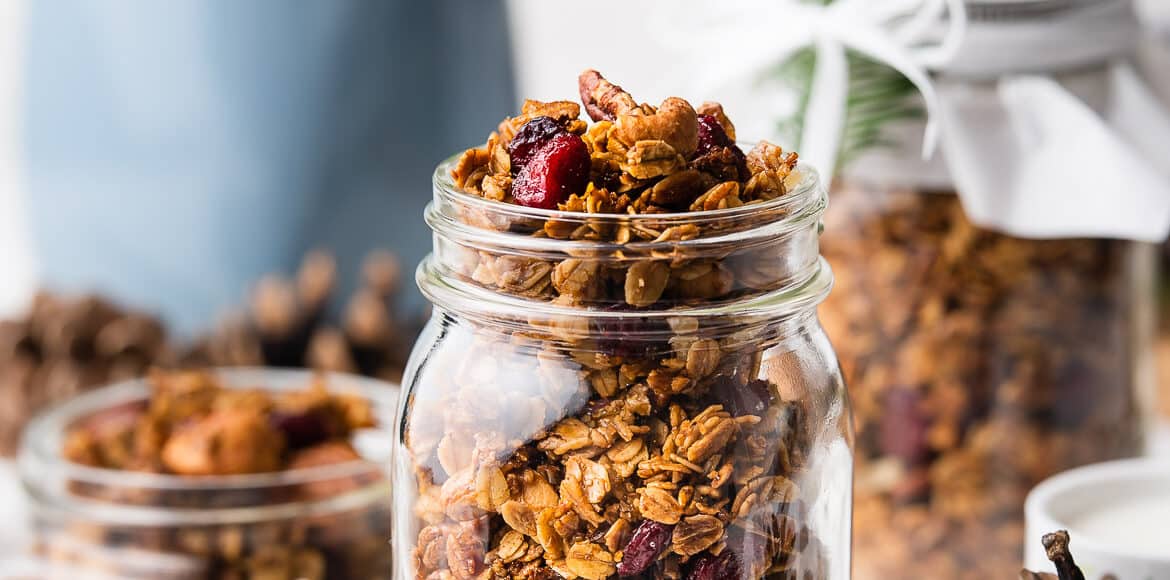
646, 396
979, 364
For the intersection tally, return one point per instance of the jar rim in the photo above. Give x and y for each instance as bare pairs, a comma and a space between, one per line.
805, 193
42, 465
802, 206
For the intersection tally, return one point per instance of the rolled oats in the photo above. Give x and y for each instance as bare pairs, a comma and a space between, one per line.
645, 282
695, 534
648, 159
590, 561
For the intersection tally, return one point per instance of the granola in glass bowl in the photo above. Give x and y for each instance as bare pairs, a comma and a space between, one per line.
240, 473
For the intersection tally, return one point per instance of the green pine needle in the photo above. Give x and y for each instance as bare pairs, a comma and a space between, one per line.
878, 95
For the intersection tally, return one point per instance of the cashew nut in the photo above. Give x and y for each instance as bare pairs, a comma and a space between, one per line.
675, 122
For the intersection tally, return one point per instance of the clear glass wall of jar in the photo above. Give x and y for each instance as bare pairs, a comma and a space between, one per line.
647, 396
324, 522
979, 364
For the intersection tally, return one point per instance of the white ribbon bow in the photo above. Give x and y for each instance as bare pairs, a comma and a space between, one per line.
750, 36
1028, 157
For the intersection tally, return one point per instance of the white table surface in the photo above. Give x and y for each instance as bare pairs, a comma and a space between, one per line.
13, 515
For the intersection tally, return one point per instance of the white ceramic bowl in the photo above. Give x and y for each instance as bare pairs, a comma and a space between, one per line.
1117, 514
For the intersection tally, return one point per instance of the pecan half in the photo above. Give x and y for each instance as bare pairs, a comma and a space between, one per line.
603, 100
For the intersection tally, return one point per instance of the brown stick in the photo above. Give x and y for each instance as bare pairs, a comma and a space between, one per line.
1056, 548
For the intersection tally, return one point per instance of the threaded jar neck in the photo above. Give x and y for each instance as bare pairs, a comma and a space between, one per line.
494, 259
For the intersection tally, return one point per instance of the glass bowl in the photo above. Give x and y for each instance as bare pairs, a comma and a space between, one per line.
329, 521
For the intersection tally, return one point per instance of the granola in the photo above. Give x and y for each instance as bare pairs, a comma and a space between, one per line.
193, 426
623, 436
639, 159
979, 364
708, 463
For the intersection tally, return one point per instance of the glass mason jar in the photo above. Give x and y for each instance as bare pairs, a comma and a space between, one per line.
980, 363
648, 396
316, 523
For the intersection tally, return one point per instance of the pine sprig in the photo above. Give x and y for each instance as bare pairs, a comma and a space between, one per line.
878, 95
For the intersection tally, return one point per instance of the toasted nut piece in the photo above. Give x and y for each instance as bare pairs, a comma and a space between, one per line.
471, 164
766, 156
225, 442
675, 122
466, 550
603, 100
652, 158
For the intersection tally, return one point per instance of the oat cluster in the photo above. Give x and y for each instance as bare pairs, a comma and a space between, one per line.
629, 446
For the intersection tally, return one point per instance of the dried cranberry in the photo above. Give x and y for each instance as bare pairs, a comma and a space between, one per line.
717, 153
597, 406
753, 398
904, 426
725, 566
534, 135
1080, 395
631, 336
752, 546
301, 429
646, 545
556, 171
711, 135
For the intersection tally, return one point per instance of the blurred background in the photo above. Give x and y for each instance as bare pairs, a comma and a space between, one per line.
242, 183
168, 157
